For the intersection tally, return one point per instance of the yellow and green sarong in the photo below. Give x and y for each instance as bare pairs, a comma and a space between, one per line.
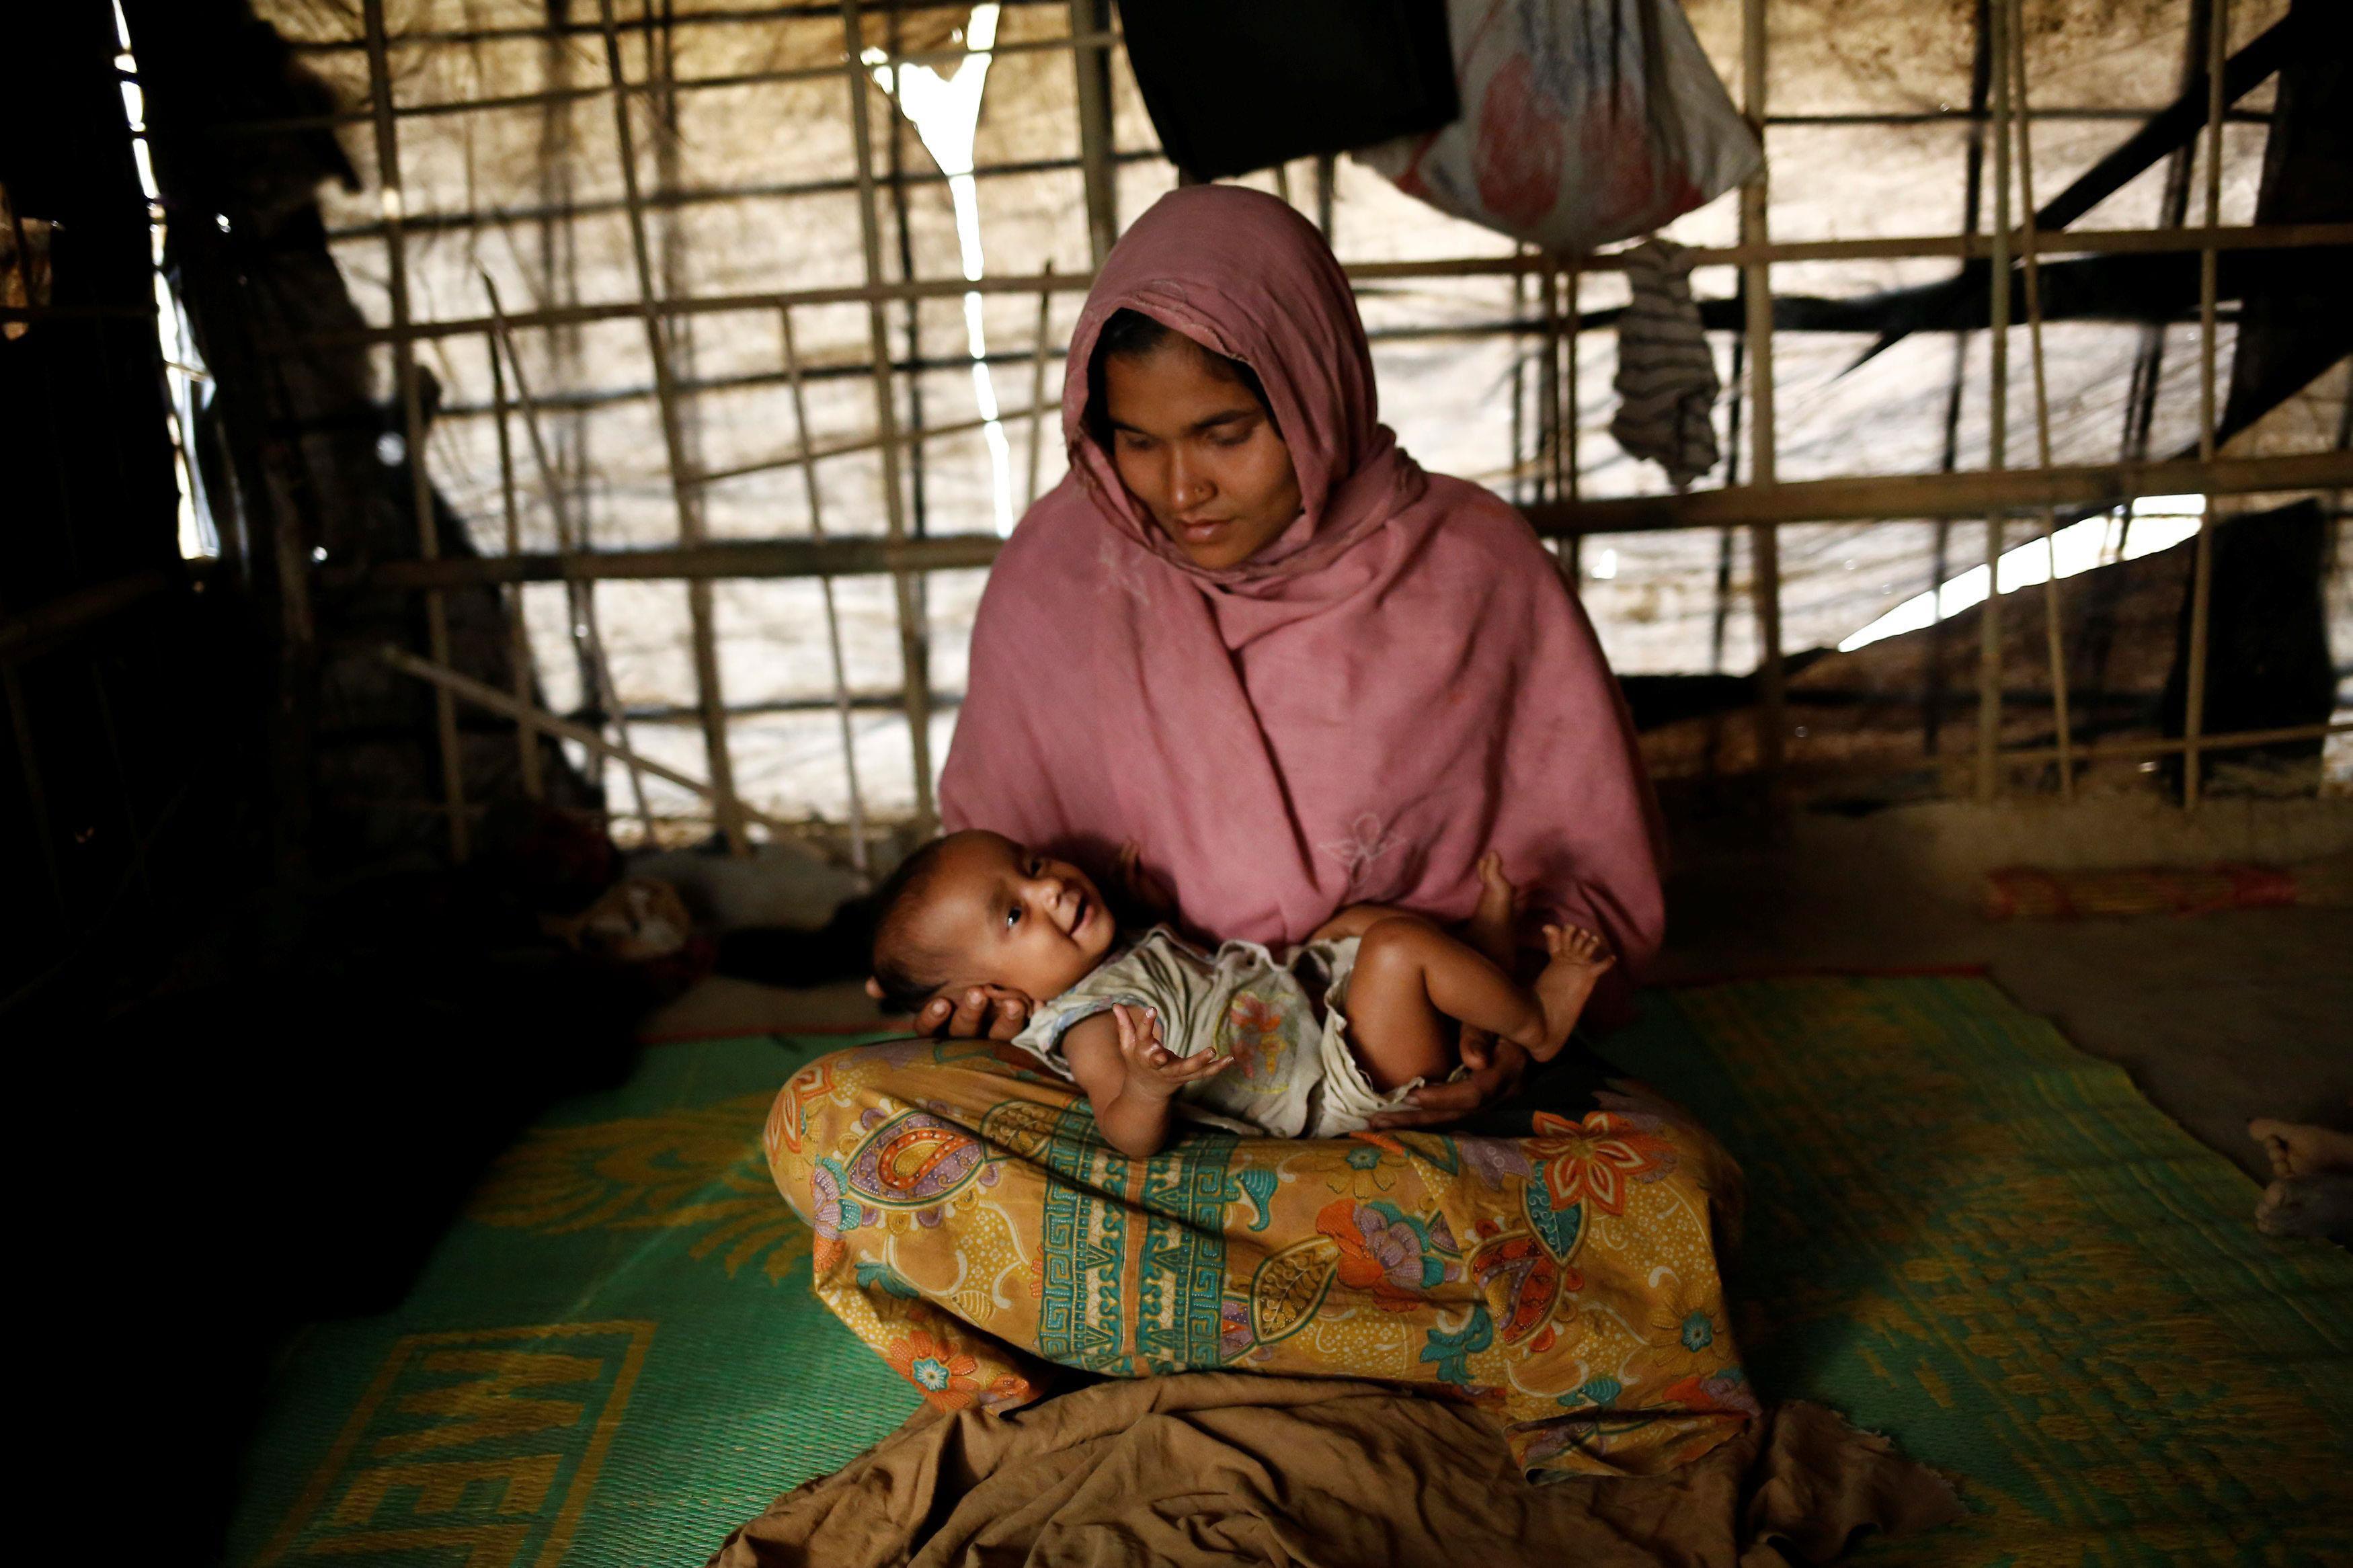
972, 1227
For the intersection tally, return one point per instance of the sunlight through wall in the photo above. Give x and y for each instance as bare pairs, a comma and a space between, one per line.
183, 369
2150, 524
945, 112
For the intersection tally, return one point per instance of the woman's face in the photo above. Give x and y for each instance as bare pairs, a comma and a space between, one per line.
1196, 449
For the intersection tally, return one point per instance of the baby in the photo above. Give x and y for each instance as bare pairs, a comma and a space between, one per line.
1309, 1044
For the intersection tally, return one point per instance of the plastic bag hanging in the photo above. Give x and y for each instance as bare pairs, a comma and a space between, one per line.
1583, 121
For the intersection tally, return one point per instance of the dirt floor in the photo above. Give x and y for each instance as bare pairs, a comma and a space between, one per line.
2218, 1018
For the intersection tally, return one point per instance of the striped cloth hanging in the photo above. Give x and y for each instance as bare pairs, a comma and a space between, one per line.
1666, 377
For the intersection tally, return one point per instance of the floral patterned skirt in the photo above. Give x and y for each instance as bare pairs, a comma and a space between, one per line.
974, 1227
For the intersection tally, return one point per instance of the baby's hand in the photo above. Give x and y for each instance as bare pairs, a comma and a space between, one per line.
1154, 1071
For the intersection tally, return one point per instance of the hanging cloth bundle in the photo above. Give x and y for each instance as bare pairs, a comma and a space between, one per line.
1583, 121
1666, 375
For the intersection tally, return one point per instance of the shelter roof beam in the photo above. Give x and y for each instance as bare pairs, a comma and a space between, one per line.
1869, 500
665, 87
2088, 242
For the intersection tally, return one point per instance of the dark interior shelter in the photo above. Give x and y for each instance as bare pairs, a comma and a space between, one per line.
500, 494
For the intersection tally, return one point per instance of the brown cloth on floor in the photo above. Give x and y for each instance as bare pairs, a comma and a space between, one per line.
1228, 1468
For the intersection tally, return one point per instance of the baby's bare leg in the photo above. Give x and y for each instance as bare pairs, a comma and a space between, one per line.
1411, 984
1488, 928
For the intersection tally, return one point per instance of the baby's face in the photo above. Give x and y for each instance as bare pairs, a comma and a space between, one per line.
1012, 917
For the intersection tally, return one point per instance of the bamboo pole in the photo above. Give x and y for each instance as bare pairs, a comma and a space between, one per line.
744, 380
2126, 751
556, 32
859, 702
2201, 590
1997, 419
1097, 39
1814, 501
832, 614
403, 349
1548, 387
914, 654
1518, 468
1949, 116
1573, 555
518, 643
2053, 615
580, 601
707, 692
2070, 242
1765, 543
31, 630
1090, 20
854, 445
784, 76
556, 252
1038, 393
1572, 308
443, 221
768, 558
659, 46
1933, 695
2110, 751
456, 685
2148, 360
547, 97
1721, 619
1876, 498
892, 178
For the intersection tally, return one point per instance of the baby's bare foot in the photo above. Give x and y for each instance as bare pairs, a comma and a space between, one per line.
2319, 1206
1490, 927
2299, 1151
1579, 959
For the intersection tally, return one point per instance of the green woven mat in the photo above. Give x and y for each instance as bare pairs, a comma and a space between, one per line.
1962, 1232
1966, 1234
613, 1360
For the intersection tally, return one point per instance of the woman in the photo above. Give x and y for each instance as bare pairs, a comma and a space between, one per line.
1249, 633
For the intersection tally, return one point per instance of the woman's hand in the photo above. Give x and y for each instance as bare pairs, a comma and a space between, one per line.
991, 1010
1496, 1068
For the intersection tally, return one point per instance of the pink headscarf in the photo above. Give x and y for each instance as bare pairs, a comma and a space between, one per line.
1400, 682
